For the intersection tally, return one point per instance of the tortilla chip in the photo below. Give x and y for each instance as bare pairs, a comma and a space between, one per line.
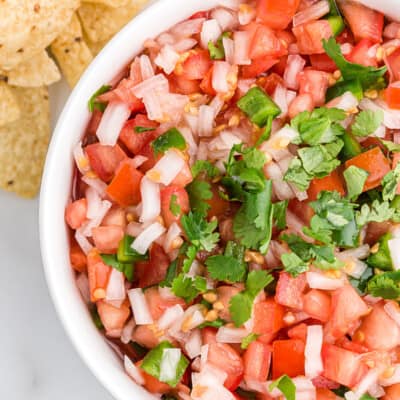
109, 3
9, 110
28, 27
100, 22
23, 143
41, 70
71, 51
94, 47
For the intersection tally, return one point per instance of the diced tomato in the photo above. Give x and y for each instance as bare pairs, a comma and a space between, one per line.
286, 37
287, 358
392, 392
347, 344
265, 44
218, 206
145, 336
153, 385
182, 85
317, 304
375, 163
323, 62
200, 14
107, 238
225, 293
124, 189
342, 366
277, 14
209, 335
206, 84
77, 257
378, 331
115, 216
314, 83
268, 319
395, 161
94, 122
289, 290
309, 36
158, 304
135, 141
325, 383
104, 160
258, 66
195, 65
113, 318
224, 357
280, 67
365, 23
393, 63
153, 271
184, 177
147, 151
75, 213
98, 275
347, 308
325, 394
298, 332
270, 83
302, 210
332, 182
181, 200
257, 360
360, 55
375, 230
302, 102
392, 97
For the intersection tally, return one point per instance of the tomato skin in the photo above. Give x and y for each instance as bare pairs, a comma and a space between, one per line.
153, 271
224, 357
104, 160
268, 319
342, 366
257, 360
145, 336
265, 43
392, 97
182, 200
393, 62
182, 85
347, 308
135, 141
325, 394
77, 257
158, 304
298, 332
314, 83
98, 275
374, 162
107, 238
113, 318
365, 23
392, 392
332, 182
302, 209
206, 84
75, 213
378, 330
317, 304
359, 54
323, 62
289, 290
124, 189
302, 102
209, 335
195, 66
277, 14
184, 177
287, 358
257, 67
309, 36
270, 82
147, 151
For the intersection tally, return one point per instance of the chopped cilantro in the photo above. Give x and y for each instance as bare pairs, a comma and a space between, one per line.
297, 175
174, 207
242, 303
393, 147
293, 264
216, 50
142, 129
199, 191
213, 324
367, 122
94, 104
286, 386
375, 212
251, 337
172, 272
279, 213
355, 179
190, 255
170, 139
390, 182
188, 288
386, 285
203, 166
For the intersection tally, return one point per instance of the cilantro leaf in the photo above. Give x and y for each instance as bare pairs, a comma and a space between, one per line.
390, 182
286, 386
172, 272
170, 139
393, 147
355, 179
199, 191
254, 158
174, 207
241, 304
297, 175
251, 337
369, 77
225, 268
279, 213
190, 255
375, 212
367, 122
386, 285
142, 129
93, 103
188, 288
293, 264
200, 232
200, 166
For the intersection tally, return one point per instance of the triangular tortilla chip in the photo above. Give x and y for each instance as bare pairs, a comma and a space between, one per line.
109, 3
9, 110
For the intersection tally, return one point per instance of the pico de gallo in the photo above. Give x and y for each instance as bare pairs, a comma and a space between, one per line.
236, 205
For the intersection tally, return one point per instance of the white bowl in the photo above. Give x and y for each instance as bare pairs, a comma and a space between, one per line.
56, 187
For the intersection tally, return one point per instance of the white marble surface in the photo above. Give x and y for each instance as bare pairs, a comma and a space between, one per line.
37, 360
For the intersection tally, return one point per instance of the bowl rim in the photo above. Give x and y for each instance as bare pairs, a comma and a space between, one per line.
56, 187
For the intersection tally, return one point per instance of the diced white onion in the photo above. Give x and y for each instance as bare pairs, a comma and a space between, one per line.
97, 184
112, 121
312, 13
116, 286
210, 32
246, 14
140, 308
242, 47
294, 223
360, 252
394, 248
151, 203
205, 121
82, 282
295, 65
317, 280
133, 371
169, 364
369, 380
147, 237
156, 83
86, 229
346, 102
216, 104
94, 203
229, 49
81, 239
167, 59
193, 344
356, 268
220, 74
231, 335
226, 19
145, 67
127, 331
188, 28
152, 103
173, 232
167, 167
81, 161
313, 360
166, 293
139, 160
391, 117
280, 99
395, 378
281, 188
170, 315
184, 45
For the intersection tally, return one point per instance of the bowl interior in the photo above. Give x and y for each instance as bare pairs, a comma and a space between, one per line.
56, 186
